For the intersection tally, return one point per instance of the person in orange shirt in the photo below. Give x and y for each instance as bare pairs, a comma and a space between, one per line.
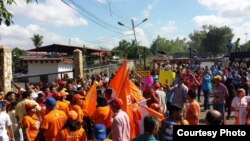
72, 130
102, 113
31, 122
64, 96
60, 104
53, 121
77, 100
100, 133
193, 109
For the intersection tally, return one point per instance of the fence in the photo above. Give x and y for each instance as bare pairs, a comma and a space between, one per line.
50, 77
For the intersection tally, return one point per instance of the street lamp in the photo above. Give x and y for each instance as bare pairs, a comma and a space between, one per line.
133, 29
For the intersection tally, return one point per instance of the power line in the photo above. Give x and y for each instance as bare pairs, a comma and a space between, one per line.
92, 15
90, 18
109, 9
106, 39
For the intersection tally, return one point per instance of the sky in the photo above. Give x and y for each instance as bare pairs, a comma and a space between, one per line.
94, 23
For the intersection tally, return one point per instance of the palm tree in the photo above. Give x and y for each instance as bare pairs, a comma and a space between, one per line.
37, 40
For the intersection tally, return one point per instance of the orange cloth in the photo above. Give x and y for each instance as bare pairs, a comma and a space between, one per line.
79, 111
67, 102
137, 116
119, 78
52, 123
62, 106
101, 116
33, 124
193, 110
90, 100
67, 135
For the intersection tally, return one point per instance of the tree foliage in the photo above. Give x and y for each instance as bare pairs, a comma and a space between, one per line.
5, 15
211, 39
37, 40
170, 47
130, 50
246, 46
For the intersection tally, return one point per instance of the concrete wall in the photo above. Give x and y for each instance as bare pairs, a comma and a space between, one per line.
5, 68
42, 68
65, 67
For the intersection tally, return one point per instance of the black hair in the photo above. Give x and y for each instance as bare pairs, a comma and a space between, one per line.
174, 108
192, 93
150, 123
26, 94
101, 101
73, 125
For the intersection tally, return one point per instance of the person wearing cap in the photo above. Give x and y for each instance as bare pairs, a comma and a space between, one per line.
6, 131
52, 122
31, 122
151, 127
72, 130
220, 94
76, 103
59, 103
64, 96
100, 133
121, 123
21, 110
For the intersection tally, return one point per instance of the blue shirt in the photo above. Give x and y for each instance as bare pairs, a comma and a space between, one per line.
145, 137
206, 82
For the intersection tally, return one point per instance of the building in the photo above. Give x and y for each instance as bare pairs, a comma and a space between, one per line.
54, 61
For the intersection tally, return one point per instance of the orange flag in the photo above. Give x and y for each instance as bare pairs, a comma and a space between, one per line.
126, 107
153, 112
118, 80
135, 92
90, 100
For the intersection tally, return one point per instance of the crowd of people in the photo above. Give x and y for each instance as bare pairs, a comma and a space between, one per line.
57, 111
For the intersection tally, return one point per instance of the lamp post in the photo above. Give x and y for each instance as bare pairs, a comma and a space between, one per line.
133, 29
246, 36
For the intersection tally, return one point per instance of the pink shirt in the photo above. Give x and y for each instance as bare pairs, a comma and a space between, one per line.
121, 127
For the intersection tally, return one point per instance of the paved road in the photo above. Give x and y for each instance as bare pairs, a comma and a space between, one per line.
203, 113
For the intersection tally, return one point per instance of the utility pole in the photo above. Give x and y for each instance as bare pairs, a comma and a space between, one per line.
246, 36
137, 48
133, 28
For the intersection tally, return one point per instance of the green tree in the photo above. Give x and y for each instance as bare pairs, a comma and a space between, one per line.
246, 46
216, 39
37, 40
210, 39
16, 53
170, 47
5, 15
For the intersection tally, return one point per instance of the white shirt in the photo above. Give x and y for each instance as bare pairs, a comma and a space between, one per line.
4, 123
162, 99
242, 103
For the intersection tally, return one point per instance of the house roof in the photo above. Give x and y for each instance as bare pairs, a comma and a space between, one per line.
65, 49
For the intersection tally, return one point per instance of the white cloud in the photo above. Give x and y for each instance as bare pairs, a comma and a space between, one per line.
232, 13
228, 8
149, 8
102, 1
51, 12
213, 20
18, 36
169, 27
239, 32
